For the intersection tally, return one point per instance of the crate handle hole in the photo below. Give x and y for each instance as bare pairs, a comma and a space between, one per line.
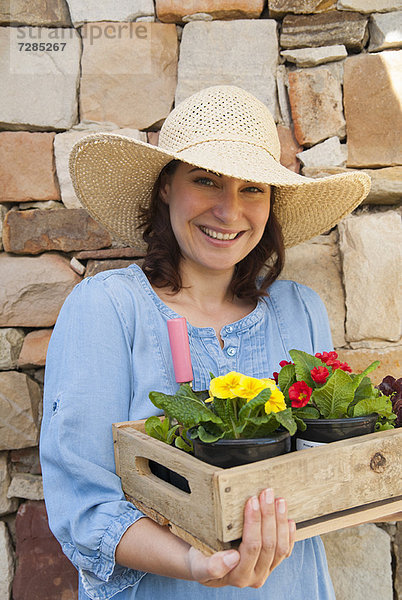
146, 466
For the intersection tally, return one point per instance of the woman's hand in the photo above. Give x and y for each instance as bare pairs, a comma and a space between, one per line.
268, 538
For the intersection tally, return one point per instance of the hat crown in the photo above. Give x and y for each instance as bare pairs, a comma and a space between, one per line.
226, 113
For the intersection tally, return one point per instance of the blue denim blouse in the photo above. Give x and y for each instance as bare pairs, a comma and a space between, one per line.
108, 350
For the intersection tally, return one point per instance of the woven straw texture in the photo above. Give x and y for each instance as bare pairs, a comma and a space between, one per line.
224, 129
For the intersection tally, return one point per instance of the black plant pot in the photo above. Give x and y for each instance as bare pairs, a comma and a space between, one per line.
232, 453
323, 431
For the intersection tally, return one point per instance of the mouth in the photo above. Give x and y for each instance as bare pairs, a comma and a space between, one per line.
218, 235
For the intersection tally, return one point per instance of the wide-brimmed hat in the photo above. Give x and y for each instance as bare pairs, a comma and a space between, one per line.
223, 129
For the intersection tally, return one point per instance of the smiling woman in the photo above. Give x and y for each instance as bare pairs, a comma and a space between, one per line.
214, 206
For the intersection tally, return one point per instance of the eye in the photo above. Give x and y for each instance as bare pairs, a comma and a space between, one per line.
204, 181
254, 190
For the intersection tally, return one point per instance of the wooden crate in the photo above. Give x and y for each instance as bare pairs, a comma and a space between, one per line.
327, 488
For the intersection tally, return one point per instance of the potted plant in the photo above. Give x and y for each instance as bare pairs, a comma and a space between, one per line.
240, 419
330, 400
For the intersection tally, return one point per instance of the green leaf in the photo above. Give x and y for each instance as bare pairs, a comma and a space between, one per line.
184, 406
219, 406
253, 405
301, 426
259, 426
285, 418
333, 398
183, 445
304, 363
381, 405
383, 426
369, 369
172, 433
306, 412
209, 435
286, 378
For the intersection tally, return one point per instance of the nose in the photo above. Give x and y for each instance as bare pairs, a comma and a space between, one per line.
228, 207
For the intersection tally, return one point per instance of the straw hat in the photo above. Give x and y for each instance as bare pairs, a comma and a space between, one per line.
223, 129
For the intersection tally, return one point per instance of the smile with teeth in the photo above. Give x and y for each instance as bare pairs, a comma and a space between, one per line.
217, 235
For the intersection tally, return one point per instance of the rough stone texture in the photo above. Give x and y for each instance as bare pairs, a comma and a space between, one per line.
36, 231
27, 170
372, 266
386, 184
109, 10
11, 341
7, 505
140, 67
77, 266
359, 561
96, 266
398, 561
328, 153
289, 148
390, 361
310, 57
210, 54
325, 29
283, 98
19, 411
3, 212
316, 264
26, 460
63, 144
46, 205
372, 92
43, 571
369, 6
6, 563
45, 13
173, 11
33, 289
385, 31
111, 253
27, 486
277, 8
34, 348
316, 102
50, 78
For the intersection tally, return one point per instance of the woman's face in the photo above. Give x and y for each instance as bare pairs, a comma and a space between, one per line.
217, 220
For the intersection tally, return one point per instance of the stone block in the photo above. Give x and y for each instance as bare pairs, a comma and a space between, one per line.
3, 212
111, 253
328, 153
398, 561
316, 264
372, 92
34, 348
385, 31
11, 341
77, 266
130, 80
7, 505
390, 361
19, 411
310, 57
33, 289
48, 13
283, 98
369, 6
325, 29
278, 8
372, 267
27, 170
173, 11
26, 460
289, 148
96, 266
43, 572
27, 486
386, 184
36, 231
63, 144
109, 10
242, 53
45, 205
6, 563
359, 561
316, 102
51, 78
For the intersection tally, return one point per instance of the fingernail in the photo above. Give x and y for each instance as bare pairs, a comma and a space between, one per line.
269, 496
231, 559
281, 505
254, 503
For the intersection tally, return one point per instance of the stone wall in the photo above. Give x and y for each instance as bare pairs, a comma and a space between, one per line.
330, 71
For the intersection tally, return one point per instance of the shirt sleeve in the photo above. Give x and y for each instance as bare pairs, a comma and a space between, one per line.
88, 386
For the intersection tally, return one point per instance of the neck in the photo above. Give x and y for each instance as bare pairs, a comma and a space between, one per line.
206, 289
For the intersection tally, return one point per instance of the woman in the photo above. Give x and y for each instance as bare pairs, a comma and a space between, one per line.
216, 205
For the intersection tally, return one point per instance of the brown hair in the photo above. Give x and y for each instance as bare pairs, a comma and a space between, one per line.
161, 263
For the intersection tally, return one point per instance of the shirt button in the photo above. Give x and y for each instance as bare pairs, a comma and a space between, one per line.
229, 329
231, 351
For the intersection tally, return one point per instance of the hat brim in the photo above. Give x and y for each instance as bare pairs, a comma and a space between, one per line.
114, 175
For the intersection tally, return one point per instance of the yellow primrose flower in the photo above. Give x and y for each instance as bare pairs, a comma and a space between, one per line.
210, 399
250, 387
276, 402
225, 385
